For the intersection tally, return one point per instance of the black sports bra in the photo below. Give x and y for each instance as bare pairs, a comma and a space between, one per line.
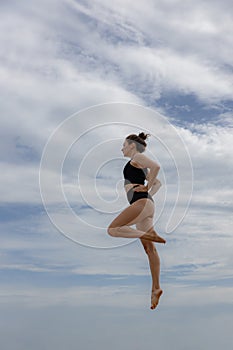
133, 174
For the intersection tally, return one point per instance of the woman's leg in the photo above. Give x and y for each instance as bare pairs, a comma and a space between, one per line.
136, 212
154, 261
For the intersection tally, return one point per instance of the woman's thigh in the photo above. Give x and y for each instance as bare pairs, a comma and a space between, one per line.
135, 213
146, 224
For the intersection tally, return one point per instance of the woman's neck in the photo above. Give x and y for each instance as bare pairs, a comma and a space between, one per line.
133, 154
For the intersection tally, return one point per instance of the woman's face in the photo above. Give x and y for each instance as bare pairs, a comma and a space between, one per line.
126, 149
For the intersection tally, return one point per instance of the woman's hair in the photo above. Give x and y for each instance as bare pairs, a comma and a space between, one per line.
139, 141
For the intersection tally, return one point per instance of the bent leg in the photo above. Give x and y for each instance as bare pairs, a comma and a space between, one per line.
136, 212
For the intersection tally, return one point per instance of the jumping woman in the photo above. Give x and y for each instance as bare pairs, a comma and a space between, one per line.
140, 212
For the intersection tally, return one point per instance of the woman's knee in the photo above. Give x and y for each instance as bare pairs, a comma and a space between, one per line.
112, 231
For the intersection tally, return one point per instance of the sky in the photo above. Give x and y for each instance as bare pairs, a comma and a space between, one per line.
76, 77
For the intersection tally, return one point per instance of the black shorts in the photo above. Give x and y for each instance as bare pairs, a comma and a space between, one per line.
134, 196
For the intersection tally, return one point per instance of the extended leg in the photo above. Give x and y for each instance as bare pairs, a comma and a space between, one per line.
154, 262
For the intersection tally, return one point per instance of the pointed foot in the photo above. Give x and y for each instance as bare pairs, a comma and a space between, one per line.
155, 295
154, 237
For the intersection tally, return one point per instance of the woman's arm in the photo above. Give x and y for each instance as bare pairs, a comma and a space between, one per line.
155, 187
153, 184
151, 178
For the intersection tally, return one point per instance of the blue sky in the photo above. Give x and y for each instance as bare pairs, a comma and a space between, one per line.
59, 58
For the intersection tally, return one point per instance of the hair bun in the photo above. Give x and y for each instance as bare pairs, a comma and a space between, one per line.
143, 136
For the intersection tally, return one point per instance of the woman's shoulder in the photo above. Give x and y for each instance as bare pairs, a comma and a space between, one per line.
144, 161
139, 160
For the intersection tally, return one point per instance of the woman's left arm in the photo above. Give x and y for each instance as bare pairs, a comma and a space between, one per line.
156, 186
146, 162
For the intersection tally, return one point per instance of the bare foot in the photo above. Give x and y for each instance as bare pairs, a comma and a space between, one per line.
153, 236
155, 295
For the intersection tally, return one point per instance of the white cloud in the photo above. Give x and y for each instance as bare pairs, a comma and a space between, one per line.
54, 61
181, 54
60, 61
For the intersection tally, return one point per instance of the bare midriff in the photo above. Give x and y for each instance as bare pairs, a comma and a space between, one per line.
129, 186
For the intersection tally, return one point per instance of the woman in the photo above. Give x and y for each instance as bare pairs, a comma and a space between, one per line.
141, 208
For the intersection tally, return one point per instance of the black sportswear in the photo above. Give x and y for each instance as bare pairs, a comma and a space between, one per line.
135, 175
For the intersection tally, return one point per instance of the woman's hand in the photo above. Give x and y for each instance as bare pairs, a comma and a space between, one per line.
140, 188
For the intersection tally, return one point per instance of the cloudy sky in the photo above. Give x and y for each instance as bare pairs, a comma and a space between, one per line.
76, 78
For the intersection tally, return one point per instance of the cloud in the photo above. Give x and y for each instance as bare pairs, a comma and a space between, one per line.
174, 62
100, 52
58, 58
